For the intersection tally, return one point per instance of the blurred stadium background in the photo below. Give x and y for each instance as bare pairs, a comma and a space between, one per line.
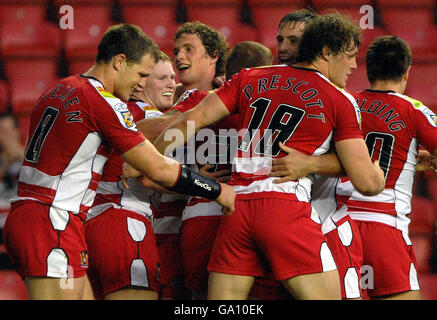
35, 52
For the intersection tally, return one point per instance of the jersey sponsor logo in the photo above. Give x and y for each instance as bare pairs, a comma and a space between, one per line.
427, 112
120, 107
202, 185
431, 116
152, 114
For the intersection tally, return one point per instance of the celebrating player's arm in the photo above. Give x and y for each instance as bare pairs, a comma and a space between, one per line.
152, 127
200, 116
176, 177
367, 177
296, 165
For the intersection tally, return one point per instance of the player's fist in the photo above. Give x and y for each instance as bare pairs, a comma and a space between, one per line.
227, 198
128, 172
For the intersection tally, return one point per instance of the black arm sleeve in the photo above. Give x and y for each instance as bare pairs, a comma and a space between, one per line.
194, 184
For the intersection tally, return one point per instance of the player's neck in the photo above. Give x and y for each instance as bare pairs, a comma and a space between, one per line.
203, 84
384, 85
313, 65
102, 73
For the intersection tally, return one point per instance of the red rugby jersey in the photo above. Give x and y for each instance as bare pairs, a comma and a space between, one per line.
110, 192
297, 106
394, 125
74, 125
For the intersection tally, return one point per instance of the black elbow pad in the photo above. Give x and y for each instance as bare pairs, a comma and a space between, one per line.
194, 184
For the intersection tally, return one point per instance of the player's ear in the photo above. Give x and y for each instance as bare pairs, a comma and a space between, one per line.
119, 61
215, 57
326, 53
407, 73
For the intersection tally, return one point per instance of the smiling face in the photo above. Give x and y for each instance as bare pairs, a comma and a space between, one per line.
288, 39
193, 64
132, 76
341, 65
160, 85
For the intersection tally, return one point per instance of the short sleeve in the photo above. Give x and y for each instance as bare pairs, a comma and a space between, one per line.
229, 93
115, 123
426, 127
348, 119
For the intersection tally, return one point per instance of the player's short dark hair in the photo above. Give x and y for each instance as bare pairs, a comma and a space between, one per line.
387, 58
302, 15
247, 54
214, 42
126, 39
334, 31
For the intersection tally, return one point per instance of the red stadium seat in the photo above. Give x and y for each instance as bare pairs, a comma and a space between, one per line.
428, 285
338, 3
405, 3
73, 3
158, 22
422, 251
368, 35
22, 12
4, 96
423, 214
228, 22
357, 80
220, 3
352, 11
124, 3
28, 79
80, 65
23, 120
421, 37
90, 22
281, 3
422, 84
12, 287
35, 39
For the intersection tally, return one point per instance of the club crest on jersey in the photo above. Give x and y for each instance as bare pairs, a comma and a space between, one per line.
433, 117
128, 119
84, 259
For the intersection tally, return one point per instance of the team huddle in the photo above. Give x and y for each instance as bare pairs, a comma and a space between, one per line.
246, 180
